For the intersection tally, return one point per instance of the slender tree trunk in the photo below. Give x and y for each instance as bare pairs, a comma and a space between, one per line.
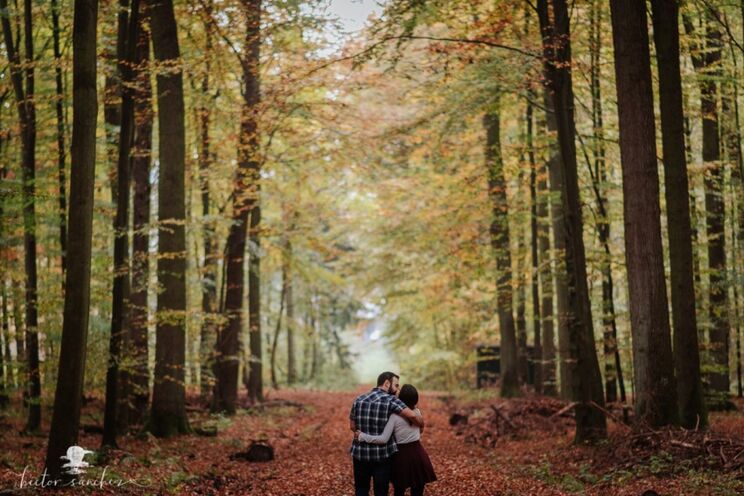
613, 370
168, 416
245, 197
586, 380
521, 321
116, 375
502, 252
686, 349
693, 210
255, 383
314, 319
536, 358
656, 394
277, 330
307, 343
553, 167
547, 357
59, 109
209, 269
141, 157
29, 215
706, 61
737, 223
63, 432
291, 358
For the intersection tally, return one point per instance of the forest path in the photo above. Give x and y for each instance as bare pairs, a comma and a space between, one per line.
311, 453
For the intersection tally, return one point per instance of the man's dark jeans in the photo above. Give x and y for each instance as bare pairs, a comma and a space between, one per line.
379, 471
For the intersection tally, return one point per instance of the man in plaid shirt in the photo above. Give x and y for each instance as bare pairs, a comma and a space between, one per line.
369, 414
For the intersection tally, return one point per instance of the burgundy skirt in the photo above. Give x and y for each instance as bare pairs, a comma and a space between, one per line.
411, 466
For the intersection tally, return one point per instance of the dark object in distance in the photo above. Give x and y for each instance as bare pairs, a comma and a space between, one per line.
458, 419
259, 451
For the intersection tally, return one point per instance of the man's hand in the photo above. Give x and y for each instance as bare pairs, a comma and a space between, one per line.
356, 435
352, 426
412, 418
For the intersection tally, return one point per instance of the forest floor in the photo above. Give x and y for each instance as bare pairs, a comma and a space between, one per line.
531, 454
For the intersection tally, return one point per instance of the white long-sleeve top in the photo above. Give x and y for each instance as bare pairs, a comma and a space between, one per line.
404, 432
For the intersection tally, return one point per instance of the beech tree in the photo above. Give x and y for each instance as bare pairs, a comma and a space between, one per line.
64, 429
706, 52
116, 376
245, 200
500, 243
656, 394
684, 318
139, 376
168, 413
583, 369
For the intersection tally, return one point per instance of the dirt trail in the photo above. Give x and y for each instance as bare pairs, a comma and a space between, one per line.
312, 454
310, 434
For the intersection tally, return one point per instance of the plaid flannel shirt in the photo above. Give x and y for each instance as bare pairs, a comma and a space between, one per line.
370, 412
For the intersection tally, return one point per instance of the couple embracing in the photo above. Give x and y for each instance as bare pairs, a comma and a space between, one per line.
387, 427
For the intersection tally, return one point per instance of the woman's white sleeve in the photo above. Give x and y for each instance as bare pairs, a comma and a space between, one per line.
382, 438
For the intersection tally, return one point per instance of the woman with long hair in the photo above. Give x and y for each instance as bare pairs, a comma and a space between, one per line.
411, 465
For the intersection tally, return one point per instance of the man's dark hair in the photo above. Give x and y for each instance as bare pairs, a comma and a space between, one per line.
409, 396
386, 376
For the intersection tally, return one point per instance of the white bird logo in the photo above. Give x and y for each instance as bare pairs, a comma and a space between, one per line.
74, 457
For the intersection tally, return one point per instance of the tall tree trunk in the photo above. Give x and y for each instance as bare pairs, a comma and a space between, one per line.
736, 158
521, 321
536, 358
63, 432
141, 157
547, 357
29, 232
168, 416
613, 369
116, 376
731, 133
686, 349
553, 166
59, 109
209, 268
706, 61
502, 253
586, 380
656, 394
255, 382
22, 78
245, 197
